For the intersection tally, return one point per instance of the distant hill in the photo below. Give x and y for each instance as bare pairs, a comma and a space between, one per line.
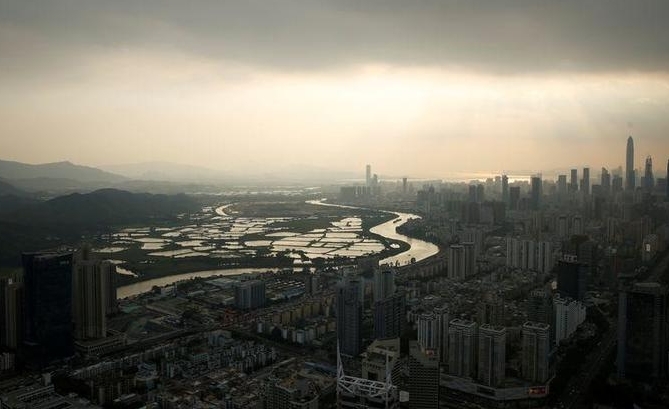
58, 170
33, 225
7, 189
167, 171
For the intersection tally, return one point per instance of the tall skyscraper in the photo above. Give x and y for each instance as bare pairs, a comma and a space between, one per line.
389, 316
585, 183
606, 182
505, 190
47, 307
368, 175
562, 185
535, 194
535, 351
642, 332
462, 337
573, 185
630, 182
89, 291
423, 377
540, 306
648, 179
384, 283
349, 316
571, 278
492, 355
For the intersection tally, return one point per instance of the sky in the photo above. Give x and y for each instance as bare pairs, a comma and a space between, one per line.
415, 88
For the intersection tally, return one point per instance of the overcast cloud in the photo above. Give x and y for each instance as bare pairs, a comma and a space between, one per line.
313, 80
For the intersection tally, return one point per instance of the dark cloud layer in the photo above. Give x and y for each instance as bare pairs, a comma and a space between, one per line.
499, 37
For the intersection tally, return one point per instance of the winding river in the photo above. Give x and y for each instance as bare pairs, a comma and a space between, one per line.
418, 250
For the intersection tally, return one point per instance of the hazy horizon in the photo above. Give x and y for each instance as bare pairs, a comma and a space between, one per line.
425, 89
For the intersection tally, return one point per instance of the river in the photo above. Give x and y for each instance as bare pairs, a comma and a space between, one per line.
418, 249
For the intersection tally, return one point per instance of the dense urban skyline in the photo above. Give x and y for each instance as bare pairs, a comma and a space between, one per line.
426, 90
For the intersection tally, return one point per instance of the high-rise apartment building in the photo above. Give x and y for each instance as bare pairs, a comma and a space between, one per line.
605, 182
443, 317
462, 346
569, 314
456, 262
535, 338
93, 284
250, 294
490, 310
491, 355
384, 283
428, 331
11, 313
573, 182
562, 185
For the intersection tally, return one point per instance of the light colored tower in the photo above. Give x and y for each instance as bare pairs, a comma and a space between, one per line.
648, 179
629, 165
368, 175
89, 295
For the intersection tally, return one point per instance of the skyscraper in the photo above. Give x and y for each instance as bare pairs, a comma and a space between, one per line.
535, 350
47, 307
89, 292
562, 185
469, 258
667, 181
648, 179
573, 185
606, 182
505, 190
492, 355
571, 278
250, 294
423, 377
585, 183
514, 197
535, 195
462, 336
349, 316
642, 332
490, 310
368, 175
384, 283
629, 165
389, 316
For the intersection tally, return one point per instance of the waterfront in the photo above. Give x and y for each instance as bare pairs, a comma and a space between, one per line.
418, 250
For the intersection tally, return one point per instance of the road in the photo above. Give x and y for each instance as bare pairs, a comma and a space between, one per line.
579, 385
